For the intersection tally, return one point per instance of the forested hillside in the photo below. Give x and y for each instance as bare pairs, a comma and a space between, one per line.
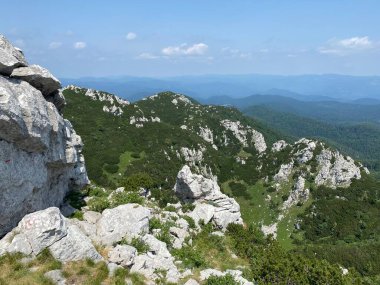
361, 140
306, 195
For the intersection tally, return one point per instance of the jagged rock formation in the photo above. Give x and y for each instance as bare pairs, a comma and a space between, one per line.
335, 169
211, 203
40, 153
113, 104
244, 133
10, 57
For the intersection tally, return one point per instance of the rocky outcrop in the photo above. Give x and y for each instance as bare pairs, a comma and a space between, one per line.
10, 57
335, 169
125, 221
113, 104
243, 133
298, 194
211, 203
279, 145
123, 255
40, 153
236, 274
39, 77
158, 258
49, 229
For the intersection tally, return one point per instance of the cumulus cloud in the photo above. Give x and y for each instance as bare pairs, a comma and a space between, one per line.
55, 45
346, 46
131, 36
356, 42
80, 45
185, 49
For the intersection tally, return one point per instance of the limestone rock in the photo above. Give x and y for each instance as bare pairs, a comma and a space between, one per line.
127, 221
38, 77
298, 194
279, 145
41, 155
203, 212
56, 276
179, 235
202, 191
191, 282
123, 255
242, 133
236, 274
335, 169
284, 172
74, 246
157, 258
41, 229
49, 229
10, 57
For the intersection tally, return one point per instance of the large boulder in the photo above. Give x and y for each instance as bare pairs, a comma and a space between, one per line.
38, 77
125, 221
211, 203
10, 57
49, 229
37, 231
74, 246
40, 154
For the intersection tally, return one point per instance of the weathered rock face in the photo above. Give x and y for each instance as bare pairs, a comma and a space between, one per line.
157, 258
124, 221
40, 153
336, 170
10, 57
211, 203
38, 77
49, 229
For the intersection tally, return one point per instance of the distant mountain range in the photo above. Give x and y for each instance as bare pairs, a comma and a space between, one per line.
304, 87
332, 111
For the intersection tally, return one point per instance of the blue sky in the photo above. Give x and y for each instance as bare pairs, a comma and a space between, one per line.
167, 38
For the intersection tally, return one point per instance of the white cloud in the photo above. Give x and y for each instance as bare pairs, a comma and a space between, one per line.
356, 43
146, 55
347, 46
55, 45
131, 36
185, 49
80, 45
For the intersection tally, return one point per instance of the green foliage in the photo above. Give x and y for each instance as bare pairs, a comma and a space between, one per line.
348, 217
98, 204
190, 257
270, 264
190, 221
239, 190
139, 244
360, 139
124, 197
227, 279
136, 181
164, 196
188, 207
